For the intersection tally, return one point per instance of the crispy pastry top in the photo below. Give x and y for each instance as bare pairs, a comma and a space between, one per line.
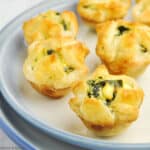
51, 24
123, 46
141, 11
55, 62
97, 11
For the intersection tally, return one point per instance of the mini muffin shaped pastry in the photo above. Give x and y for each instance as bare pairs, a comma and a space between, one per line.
124, 47
51, 24
97, 11
107, 104
141, 11
53, 66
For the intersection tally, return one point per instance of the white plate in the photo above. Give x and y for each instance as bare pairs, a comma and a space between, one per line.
26, 136
55, 117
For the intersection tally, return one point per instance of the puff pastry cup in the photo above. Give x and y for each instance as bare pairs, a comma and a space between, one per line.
97, 11
124, 47
141, 11
107, 104
51, 24
54, 66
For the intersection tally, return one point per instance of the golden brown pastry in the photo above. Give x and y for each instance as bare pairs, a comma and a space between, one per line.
54, 66
124, 46
138, 0
51, 24
107, 104
141, 11
97, 11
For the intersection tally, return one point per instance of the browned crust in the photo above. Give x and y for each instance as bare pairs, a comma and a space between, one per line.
141, 15
51, 92
93, 24
106, 130
113, 9
45, 27
122, 67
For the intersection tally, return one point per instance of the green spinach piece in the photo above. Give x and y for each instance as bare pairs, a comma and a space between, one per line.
64, 24
68, 69
86, 6
57, 13
50, 51
143, 49
96, 86
122, 29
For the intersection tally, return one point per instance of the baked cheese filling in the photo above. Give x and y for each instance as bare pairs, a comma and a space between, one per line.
48, 53
105, 90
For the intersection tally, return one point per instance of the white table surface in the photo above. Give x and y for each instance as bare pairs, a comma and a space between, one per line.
8, 10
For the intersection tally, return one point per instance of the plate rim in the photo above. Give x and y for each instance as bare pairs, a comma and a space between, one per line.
85, 142
22, 143
11, 132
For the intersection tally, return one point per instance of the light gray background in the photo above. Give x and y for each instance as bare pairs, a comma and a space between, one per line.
8, 10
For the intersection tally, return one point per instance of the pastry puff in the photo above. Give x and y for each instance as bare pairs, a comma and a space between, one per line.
107, 104
54, 66
97, 11
51, 24
141, 11
124, 47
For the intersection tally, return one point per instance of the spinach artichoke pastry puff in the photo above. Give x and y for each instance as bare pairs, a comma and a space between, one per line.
141, 11
51, 24
53, 66
97, 11
124, 47
107, 104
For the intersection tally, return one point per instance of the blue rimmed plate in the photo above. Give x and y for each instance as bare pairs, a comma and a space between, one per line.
55, 117
24, 135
